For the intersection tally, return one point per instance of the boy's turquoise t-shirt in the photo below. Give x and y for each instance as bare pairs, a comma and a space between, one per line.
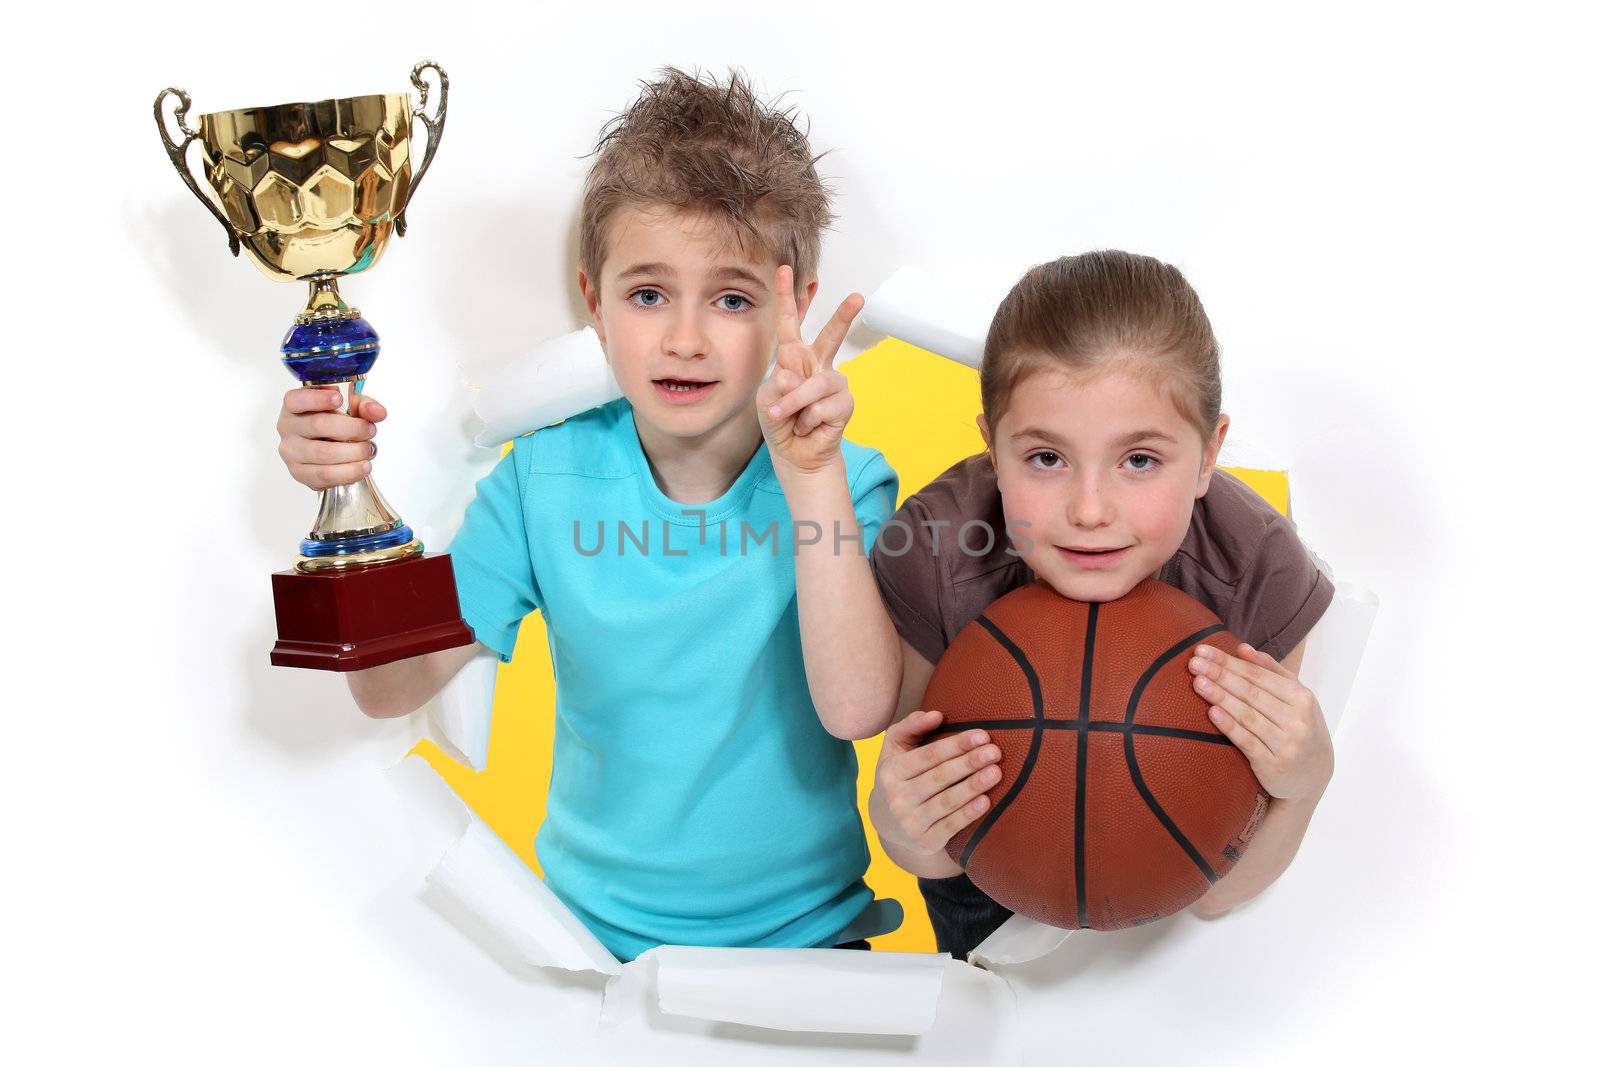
695, 797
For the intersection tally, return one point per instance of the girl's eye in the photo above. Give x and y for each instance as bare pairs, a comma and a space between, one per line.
1046, 460
1143, 461
646, 298
733, 302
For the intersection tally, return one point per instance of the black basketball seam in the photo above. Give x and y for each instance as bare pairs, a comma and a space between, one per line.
1133, 759
1033, 748
1082, 802
1072, 724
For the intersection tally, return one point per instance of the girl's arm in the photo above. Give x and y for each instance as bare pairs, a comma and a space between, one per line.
923, 796
1276, 722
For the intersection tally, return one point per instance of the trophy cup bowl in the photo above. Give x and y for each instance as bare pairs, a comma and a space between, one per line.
312, 192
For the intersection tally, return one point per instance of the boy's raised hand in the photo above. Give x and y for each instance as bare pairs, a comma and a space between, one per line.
805, 404
320, 445
1270, 716
935, 790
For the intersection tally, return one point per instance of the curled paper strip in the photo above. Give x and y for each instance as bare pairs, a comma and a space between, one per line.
936, 313
462, 710
1335, 646
558, 379
484, 877
803, 989
1019, 940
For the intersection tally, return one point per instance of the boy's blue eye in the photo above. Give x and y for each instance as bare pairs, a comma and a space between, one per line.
733, 302
648, 298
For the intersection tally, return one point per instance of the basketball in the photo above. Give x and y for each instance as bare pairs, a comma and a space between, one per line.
1118, 802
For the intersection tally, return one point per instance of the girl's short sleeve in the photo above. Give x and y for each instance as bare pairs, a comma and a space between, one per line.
1283, 593
910, 581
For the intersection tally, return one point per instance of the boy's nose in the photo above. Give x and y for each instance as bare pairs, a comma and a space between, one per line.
684, 338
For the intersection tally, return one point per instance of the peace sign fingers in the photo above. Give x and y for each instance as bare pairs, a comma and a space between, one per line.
826, 346
788, 312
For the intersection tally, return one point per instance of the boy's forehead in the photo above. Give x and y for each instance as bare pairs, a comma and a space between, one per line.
667, 241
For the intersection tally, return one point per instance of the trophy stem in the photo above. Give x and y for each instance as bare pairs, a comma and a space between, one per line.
331, 345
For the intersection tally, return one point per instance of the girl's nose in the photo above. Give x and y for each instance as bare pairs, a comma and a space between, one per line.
1088, 505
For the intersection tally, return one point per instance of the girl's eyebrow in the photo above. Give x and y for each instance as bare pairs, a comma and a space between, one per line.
1126, 440
1146, 435
1040, 433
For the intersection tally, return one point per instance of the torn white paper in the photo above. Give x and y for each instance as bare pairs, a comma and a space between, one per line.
558, 379
809, 989
483, 876
1018, 940
1334, 648
941, 314
975, 1023
462, 711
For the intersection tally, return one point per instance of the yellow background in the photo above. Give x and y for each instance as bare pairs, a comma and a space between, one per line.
919, 409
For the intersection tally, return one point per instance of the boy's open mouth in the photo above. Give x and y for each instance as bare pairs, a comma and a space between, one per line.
681, 390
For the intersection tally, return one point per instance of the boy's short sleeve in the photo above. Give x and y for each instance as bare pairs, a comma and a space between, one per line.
872, 494
907, 570
494, 571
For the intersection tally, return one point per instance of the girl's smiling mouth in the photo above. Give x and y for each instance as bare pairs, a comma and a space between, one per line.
1092, 559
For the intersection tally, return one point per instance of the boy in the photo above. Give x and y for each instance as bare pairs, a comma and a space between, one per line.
680, 543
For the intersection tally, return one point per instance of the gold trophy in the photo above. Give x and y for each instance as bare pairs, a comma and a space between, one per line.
312, 192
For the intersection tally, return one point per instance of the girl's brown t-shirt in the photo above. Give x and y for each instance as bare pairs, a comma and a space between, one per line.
1240, 558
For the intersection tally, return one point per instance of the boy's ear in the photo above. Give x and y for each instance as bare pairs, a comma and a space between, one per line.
802, 299
1208, 461
590, 288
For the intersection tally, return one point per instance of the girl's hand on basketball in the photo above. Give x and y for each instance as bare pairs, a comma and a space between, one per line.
805, 404
322, 447
934, 790
1273, 719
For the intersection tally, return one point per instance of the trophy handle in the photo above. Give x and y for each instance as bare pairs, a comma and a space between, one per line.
435, 129
175, 152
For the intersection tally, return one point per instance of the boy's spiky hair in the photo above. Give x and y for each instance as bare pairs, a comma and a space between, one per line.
694, 144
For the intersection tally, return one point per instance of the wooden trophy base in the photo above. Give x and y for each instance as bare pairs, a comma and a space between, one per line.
368, 616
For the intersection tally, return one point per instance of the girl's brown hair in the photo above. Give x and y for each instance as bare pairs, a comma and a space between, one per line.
1101, 308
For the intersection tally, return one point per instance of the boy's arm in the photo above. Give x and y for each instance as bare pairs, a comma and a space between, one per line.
401, 687
324, 447
1278, 725
851, 648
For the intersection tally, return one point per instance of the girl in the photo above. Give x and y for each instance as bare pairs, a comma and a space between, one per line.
1102, 415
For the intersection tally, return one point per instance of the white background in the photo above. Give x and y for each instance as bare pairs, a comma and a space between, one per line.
1389, 211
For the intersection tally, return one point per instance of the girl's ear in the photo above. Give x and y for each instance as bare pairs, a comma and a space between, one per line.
1208, 461
983, 428
590, 288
